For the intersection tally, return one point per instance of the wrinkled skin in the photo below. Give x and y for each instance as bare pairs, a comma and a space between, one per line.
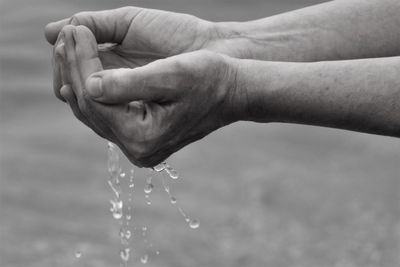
146, 111
142, 36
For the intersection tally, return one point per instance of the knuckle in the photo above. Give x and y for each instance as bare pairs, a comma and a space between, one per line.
78, 18
74, 20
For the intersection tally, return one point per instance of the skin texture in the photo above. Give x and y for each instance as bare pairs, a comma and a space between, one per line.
335, 30
359, 95
172, 78
140, 36
149, 103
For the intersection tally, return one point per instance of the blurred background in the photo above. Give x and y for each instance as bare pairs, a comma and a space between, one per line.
266, 195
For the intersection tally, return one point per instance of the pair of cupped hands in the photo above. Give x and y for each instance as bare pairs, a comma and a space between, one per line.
166, 81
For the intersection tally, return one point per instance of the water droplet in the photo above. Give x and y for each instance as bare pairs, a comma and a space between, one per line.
160, 167
172, 172
148, 188
166, 188
148, 202
116, 204
128, 234
132, 185
128, 217
78, 254
117, 215
144, 228
144, 258
157, 252
124, 254
194, 224
173, 200
116, 209
125, 235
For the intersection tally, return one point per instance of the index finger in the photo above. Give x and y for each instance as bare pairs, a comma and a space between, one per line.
108, 26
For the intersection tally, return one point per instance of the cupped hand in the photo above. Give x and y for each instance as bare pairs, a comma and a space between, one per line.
150, 111
140, 36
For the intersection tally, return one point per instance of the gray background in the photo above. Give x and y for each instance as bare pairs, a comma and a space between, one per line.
266, 195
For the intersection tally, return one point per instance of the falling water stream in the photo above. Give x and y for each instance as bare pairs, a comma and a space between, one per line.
123, 211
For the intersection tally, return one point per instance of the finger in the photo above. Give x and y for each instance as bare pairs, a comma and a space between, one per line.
57, 83
67, 93
84, 60
70, 62
81, 61
107, 26
86, 52
58, 55
158, 81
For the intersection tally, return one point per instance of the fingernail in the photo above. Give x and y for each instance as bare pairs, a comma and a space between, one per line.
93, 86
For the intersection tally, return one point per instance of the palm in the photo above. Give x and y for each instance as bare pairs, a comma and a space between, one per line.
153, 35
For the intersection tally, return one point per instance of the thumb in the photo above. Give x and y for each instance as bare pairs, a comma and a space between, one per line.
159, 81
124, 85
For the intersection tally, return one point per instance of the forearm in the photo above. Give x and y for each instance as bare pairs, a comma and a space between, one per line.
359, 95
342, 29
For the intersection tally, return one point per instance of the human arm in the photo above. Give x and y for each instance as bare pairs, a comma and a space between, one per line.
341, 29
335, 30
155, 110
359, 95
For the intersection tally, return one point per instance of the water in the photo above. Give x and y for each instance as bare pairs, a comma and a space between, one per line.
144, 259
173, 200
114, 170
122, 212
160, 167
116, 208
148, 188
194, 224
171, 172
78, 254
124, 254
113, 160
168, 169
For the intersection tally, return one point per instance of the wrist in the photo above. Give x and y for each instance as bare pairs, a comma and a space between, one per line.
230, 38
248, 89
262, 89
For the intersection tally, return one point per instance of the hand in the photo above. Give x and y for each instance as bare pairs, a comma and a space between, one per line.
150, 111
142, 36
